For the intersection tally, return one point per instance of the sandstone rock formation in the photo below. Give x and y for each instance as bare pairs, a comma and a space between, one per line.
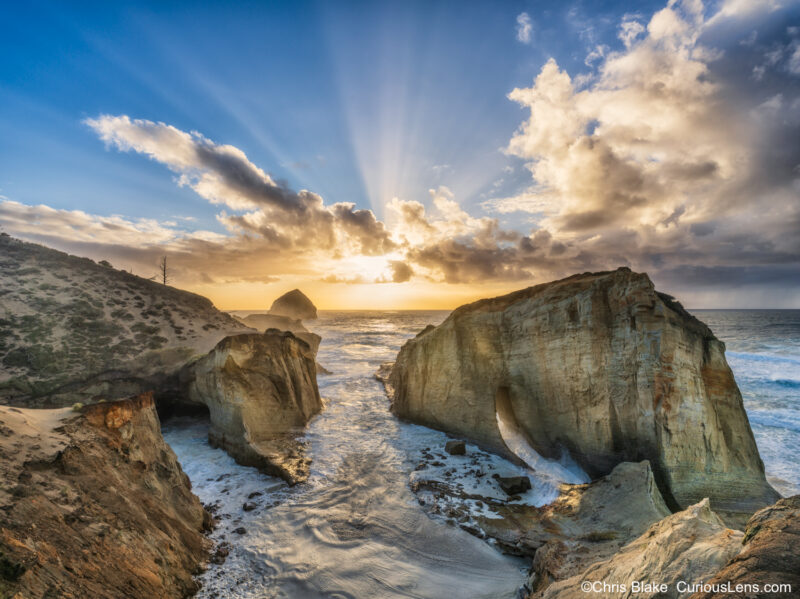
264, 322
261, 390
294, 304
688, 546
72, 330
600, 365
770, 553
95, 505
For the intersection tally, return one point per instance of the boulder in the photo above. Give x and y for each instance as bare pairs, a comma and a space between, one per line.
514, 485
294, 304
455, 447
769, 554
686, 547
265, 322
599, 365
93, 503
261, 390
585, 524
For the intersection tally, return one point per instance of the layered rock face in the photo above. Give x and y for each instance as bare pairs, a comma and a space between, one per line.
95, 505
600, 365
294, 304
260, 390
769, 554
688, 546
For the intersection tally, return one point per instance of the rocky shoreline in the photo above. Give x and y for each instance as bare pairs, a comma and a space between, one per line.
605, 369
618, 400
598, 365
95, 504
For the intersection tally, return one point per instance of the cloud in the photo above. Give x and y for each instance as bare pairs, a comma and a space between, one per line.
598, 53
401, 272
222, 174
672, 157
339, 279
669, 157
447, 244
524, 28
44, 222
630, 29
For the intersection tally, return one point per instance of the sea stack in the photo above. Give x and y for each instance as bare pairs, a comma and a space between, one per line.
260, 390
600, 365
294, 304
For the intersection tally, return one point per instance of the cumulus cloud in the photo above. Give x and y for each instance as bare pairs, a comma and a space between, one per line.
524, 28
222, 174
669, 158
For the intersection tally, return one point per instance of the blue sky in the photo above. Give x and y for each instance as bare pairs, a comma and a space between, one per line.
315, 93
452, 149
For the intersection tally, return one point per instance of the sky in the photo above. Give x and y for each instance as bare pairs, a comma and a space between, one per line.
410, 154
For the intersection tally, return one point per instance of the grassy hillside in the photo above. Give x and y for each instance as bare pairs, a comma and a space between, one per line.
74, 330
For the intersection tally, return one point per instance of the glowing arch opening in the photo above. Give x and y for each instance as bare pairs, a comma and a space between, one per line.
564, 470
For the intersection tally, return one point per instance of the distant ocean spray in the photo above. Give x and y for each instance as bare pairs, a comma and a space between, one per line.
763, 349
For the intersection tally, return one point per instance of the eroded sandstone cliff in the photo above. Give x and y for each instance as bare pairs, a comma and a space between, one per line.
95, 505
600, 365
261, 390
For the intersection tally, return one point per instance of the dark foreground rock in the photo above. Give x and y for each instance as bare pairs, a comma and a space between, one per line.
514, 485
455, 447
770, 554
94, 504
600, 365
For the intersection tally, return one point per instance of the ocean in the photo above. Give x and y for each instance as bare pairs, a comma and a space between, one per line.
763, 350
356, 530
